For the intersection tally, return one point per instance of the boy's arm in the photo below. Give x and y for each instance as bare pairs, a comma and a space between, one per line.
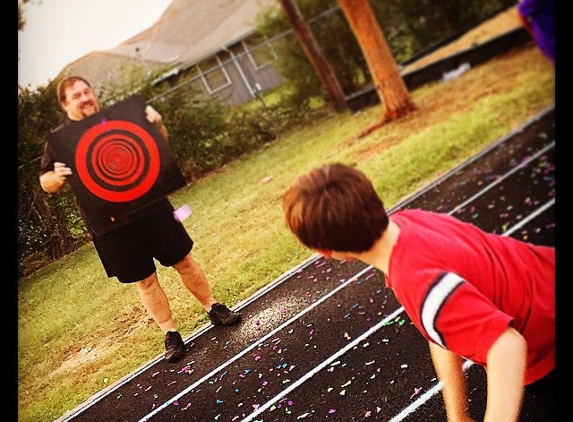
506, 362
449, 370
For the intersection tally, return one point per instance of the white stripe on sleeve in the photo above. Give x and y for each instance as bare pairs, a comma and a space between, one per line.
437, 296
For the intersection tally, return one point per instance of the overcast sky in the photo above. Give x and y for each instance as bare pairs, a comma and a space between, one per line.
57, 32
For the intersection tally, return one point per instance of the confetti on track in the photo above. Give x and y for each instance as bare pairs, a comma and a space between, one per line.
327, 340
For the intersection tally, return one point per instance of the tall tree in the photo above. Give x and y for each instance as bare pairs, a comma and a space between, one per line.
317, 59
389, 84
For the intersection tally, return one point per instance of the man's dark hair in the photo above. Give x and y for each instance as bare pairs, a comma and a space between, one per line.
66, 83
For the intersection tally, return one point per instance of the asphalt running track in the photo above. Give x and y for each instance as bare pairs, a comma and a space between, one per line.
327, 340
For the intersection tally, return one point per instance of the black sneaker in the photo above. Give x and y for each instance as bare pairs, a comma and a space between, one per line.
174, 346
221, 315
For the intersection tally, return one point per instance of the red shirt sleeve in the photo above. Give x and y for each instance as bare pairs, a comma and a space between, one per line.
464, 320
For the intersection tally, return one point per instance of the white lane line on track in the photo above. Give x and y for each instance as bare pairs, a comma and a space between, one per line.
530, 217
412, 407
254, 344
497, 181
324, 364
424, 397
471, 160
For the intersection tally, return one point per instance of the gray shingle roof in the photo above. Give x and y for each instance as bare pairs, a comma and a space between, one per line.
187, 32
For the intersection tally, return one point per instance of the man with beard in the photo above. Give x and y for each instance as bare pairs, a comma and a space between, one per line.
128, 252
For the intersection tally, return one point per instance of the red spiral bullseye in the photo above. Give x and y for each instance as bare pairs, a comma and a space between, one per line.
117, 160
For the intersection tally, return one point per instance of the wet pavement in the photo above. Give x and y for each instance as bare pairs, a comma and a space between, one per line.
327, 340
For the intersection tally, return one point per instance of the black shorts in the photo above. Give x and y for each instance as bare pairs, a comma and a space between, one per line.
128, 252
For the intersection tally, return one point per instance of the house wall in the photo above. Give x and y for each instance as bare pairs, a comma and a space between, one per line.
249, 77
234, 75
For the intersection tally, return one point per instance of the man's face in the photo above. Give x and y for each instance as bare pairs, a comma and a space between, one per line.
80, 101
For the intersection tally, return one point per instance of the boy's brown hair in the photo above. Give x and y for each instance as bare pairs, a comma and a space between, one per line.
335, 207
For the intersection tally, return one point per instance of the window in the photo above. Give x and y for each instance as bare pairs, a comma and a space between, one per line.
213, 74
260, 51
195, 80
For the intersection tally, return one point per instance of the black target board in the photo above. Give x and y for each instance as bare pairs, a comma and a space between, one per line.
120, 163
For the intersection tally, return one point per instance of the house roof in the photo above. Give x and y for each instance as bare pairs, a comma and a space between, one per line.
187, 32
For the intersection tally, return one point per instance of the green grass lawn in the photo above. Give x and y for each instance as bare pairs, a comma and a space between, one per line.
79, 332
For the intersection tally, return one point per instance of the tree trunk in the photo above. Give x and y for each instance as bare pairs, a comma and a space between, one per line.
312, 51
389, 84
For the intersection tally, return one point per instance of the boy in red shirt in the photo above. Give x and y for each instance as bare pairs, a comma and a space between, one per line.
471, 294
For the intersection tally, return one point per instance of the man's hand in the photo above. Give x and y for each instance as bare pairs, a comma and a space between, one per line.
154, 117
54, 181
61, 171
